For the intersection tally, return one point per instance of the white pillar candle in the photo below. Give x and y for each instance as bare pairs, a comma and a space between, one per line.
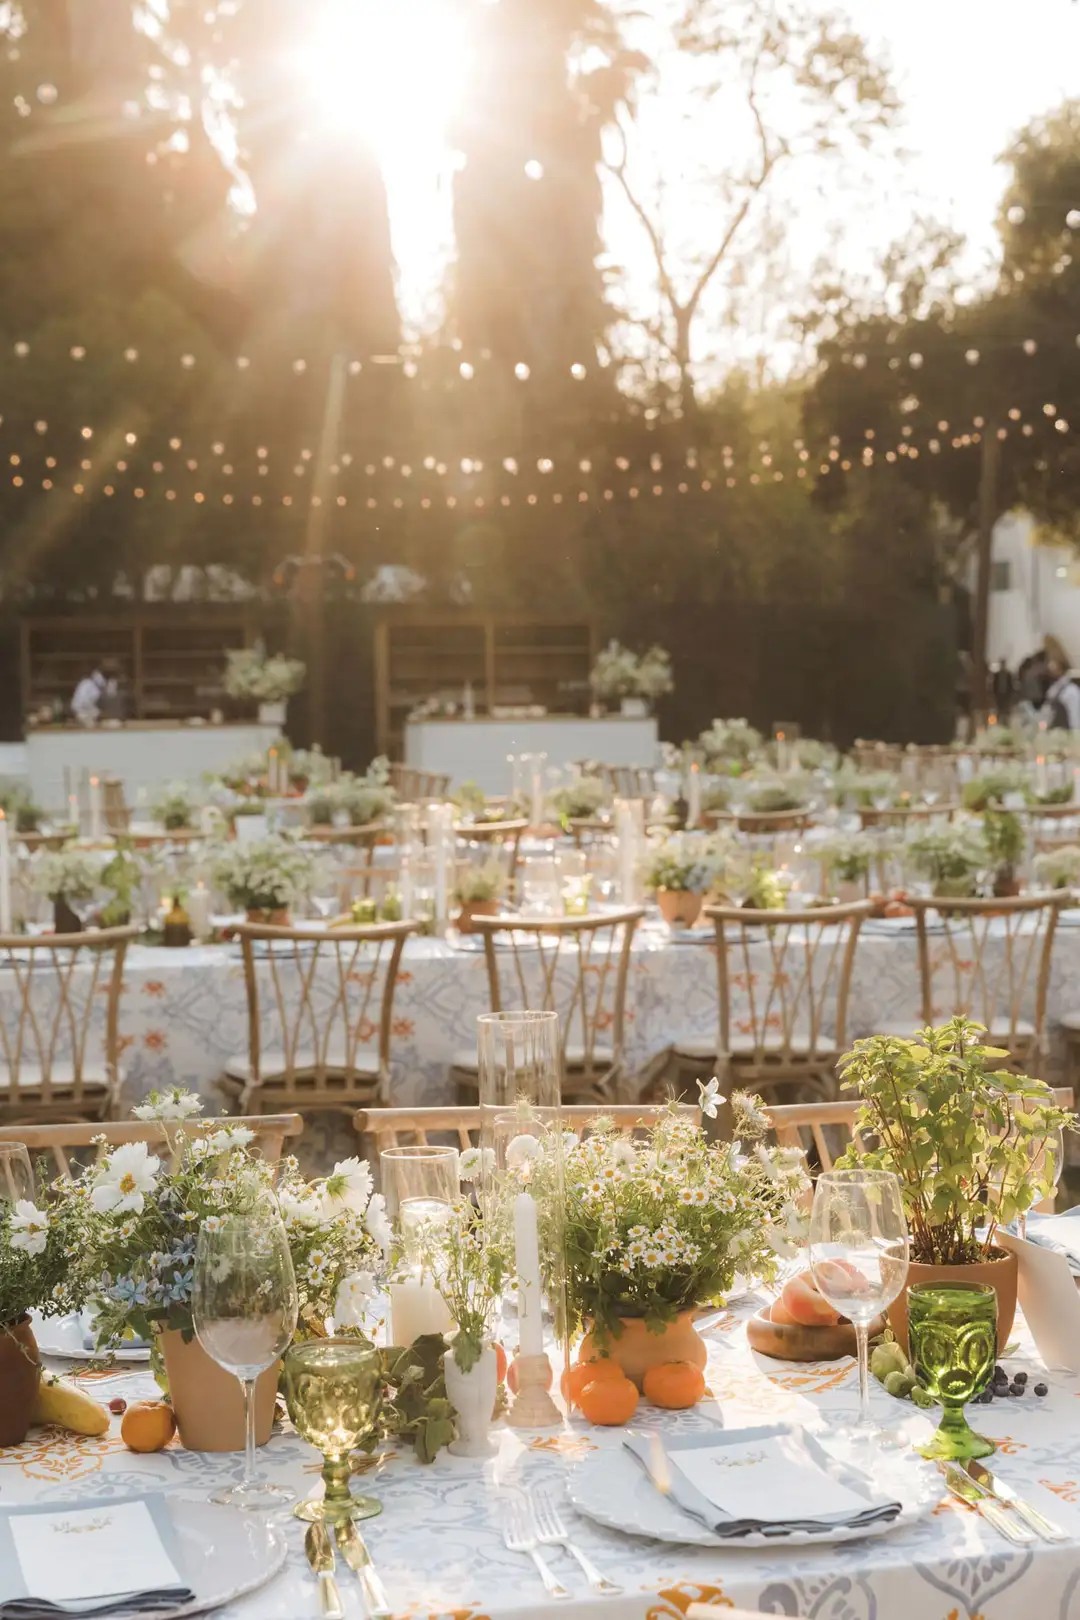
5, 875
417, 1307
73, 811
781, 752
527, 1260
198, 910
440, 827
97, 821
536, 794
1041, 782
271, 773
693, 796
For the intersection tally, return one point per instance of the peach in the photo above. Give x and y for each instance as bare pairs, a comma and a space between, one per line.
805, 1305
779, 1314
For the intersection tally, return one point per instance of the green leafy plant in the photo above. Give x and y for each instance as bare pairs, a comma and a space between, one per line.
994, 786
966, 1137
415, 1407
473, 884
950, 856
35, 1244
1059, 868
580, 799
1004, 836
471, 799
847, 856
175, 807
21, 810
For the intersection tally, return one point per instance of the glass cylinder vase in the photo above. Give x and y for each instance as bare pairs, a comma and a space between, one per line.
420, 1185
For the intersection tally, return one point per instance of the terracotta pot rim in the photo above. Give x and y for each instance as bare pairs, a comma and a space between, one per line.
994, 1257
16, 1321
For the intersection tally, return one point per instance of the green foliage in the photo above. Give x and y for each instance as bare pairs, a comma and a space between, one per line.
481, 882
1004, 834
950, 856
415, 1406
967, 1139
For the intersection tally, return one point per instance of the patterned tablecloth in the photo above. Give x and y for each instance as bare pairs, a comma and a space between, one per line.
439, 1548
183, 1013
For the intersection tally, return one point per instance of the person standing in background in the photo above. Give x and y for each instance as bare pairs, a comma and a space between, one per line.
1062, 707
86, 702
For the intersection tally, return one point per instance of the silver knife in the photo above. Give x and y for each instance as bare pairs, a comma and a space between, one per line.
1004, 1492
320, 1555
963, 1487
353, 1548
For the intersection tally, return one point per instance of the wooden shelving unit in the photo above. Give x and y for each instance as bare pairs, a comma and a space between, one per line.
171, 665
508, 659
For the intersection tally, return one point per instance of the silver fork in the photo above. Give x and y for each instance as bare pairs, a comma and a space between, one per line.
520, 1538
552, 1532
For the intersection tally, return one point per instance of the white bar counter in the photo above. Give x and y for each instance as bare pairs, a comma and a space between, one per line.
140, 753
476, 750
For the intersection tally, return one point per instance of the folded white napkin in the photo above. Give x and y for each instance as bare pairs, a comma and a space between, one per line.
82, 1559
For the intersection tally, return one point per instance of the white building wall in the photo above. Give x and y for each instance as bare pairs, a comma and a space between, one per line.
1042, 596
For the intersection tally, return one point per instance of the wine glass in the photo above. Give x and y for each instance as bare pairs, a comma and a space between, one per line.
16, 1173
859, 1256
333, 1389
244, 1307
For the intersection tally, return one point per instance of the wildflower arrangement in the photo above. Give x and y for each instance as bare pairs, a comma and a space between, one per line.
998, 740
730, 746
33, 1260
270, 874
951, 856
366, 798
69, 874
868, 790
772, 795
584, 797
133, 1222
175, 807
847, 856
659, 1224
995, 784
685, 861
478, 883
1059, 868
309, 767
470, 1261
253, 674
619, 673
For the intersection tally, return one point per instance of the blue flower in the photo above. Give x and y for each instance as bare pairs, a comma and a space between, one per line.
126, 1291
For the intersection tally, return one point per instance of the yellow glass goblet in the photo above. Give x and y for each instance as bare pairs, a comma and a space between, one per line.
333, 1388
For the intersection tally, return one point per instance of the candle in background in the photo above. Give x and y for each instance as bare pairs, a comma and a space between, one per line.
991, 722
271, 774
417, 1307
1041, 783
440, 830
693, 796
97, 825
527, 1262
5, 875
198, 910
781, 752
536, 793
73, 811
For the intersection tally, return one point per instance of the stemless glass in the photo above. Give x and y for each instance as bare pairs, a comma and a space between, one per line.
244, 1307
952, 1331
16, 1173
420, 1184
333, 1389
859, 1255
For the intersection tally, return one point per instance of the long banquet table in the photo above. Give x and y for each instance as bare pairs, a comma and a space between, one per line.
438, 1542
183, 1013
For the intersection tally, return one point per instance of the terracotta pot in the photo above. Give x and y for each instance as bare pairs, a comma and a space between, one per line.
279, 918
849, 890
680, 908
1000, 1271
636, 1349
208, 1401
475, 908
1006, 884
20, 1373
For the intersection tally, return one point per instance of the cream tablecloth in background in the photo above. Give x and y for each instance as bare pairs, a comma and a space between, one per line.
439, 1548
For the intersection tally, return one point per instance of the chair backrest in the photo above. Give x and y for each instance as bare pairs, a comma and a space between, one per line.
414, 786
59, 1038
630, 781
503, 837
877, 756
575, 966
901, 815
414, 1127
784, 978
59, 1141
988, 960
318, 1001
364, 838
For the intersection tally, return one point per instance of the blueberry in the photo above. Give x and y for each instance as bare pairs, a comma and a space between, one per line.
1016, 1390
1020, 1378
1000, 1373
1041, 1389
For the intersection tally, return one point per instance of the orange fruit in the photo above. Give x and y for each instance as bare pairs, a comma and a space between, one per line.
575, 1378
674, 1385
147, 1425
500, 1362
608, 1401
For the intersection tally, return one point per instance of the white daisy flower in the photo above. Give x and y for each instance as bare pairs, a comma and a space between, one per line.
213, 1223
29, 1227
351, 1298
686, 1195
725, 1200
624, 1152
125, 1178
348, 1186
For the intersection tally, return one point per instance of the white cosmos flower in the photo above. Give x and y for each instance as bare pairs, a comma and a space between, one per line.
520, 1150
233, 1136
476, 1162
127, 1176
301, 1209
29, 1227
709, 1097
348, 1186
376, 1222
175, 1103
352, 1296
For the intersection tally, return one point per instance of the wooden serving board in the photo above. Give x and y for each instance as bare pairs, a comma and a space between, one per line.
798, 1343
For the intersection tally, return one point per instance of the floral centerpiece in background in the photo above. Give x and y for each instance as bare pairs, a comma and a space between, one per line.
579, 800
269, 679
1058, 868
175, 807
633, 680
477, 890
265, 878
846, 859
680, 871
996, 784
730, 746
33, 1264
658, 1225
953, 857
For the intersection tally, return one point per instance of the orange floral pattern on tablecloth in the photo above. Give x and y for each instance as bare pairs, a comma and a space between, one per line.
809, 1377
54, 1454
563, 1445
1008, 1446
1067, 1489
155, 1040
675, 1601
468, 1613
153, 987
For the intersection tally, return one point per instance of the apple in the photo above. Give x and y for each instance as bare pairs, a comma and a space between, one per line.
805, 1304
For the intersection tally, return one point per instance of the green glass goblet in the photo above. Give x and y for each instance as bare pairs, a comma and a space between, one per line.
333, 1389
952, 1331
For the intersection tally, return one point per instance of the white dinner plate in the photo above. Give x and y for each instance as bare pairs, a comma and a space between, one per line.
612, 1488
62, 1336
224, 1555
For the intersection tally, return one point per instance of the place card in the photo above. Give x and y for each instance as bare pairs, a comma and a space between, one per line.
772, 1479
1048, 1296
103, 1550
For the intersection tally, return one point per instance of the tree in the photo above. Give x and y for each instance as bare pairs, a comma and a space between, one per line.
789, 91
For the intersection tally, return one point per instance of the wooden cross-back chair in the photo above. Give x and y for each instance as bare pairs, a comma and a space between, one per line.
819, 1129
382, 1128
793, 972
989, 960
414, 786
872, 755
360, 838
630, 781
493, 837
320, 1012
59, 1024
90, 1142
901, 815
575, 966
